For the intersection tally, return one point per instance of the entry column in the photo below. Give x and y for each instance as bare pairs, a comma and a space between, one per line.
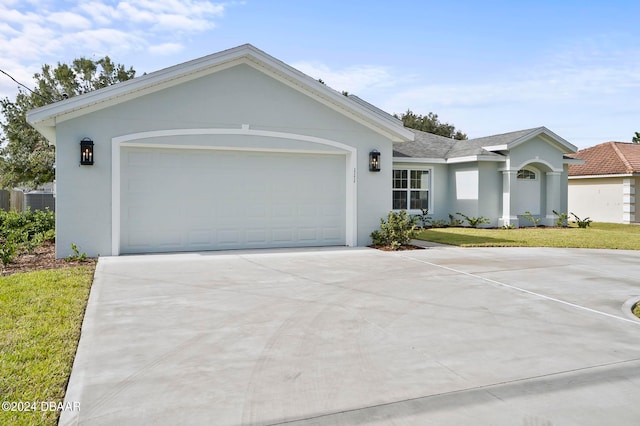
508, 180
553, 197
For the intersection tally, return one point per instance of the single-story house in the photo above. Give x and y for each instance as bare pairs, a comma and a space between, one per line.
240, 150
604, 187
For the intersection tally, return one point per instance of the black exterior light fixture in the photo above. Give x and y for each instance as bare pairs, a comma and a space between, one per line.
86, 152
374, 161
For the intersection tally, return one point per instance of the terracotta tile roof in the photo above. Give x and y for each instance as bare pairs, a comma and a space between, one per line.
609, 158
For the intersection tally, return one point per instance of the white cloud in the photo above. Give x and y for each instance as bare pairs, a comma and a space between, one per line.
36, 32
69, 20
353, 79
166, 48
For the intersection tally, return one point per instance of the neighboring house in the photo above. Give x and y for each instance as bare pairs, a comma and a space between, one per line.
239, 150
604, 187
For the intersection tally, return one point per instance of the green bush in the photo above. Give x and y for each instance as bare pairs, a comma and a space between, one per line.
454, 221
582, 223
474, 221
561, 219
396, 231
531, 218
23, 232
423, 217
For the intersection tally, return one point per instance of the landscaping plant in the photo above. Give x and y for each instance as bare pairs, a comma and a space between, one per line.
531, 218
474, 221
561, 219
396, 231
582, 223
454, 221
23, 232
424, 218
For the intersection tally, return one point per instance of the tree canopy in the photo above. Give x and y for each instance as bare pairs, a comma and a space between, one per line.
636, 138
430, 123
26, 158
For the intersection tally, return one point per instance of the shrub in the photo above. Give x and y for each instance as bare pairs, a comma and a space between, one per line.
77, 256
7, 253
582, 223
531, 218
396, 231
424, 218
454, 221
26, 231
474, 221
561, 219
439, 223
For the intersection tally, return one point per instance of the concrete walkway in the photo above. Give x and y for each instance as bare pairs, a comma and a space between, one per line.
442, 336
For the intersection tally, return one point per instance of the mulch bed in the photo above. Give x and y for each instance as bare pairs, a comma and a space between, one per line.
43, 257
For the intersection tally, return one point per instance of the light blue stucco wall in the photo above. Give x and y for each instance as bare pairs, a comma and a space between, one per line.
490, 189
226, 99
536, 150
464, 189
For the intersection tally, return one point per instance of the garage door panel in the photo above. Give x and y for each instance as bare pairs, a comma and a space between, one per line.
181, 200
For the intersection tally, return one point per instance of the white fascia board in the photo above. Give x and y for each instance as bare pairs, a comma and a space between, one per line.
623, 175
560, 143
46, 117
419, 160
496, 147
474, 158
573, 161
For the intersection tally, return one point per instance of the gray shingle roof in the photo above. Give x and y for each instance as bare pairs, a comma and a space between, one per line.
504, 138
427, 145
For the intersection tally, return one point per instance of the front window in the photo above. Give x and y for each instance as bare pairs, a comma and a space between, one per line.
411, 189
526, 174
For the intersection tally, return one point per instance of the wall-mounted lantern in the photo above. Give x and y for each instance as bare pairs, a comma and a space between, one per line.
374, 161
86, 152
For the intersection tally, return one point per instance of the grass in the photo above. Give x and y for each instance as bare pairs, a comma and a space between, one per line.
636, 310
40, 322
599, 235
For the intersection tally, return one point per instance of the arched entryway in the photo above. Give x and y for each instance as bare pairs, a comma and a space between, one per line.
534, 188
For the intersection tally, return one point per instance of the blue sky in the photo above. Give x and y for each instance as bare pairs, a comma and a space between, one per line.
487, 67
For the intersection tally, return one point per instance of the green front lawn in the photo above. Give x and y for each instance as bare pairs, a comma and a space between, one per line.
599, 235
40, 318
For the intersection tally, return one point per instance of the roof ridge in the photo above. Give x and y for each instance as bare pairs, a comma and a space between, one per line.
624, 160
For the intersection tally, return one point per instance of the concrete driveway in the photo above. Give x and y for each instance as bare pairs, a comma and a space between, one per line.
501, 336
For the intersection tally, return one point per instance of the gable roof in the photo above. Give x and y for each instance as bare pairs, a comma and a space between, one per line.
430, 146
45, 119
507, 141
609, 158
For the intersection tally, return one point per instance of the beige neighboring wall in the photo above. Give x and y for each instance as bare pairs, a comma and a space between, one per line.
603, 199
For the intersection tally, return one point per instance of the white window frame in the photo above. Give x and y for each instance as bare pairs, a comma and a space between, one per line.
523, 170
409, 189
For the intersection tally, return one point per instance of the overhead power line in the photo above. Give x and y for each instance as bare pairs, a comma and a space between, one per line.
20, 84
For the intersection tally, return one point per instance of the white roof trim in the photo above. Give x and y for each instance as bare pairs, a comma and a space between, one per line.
544, 131
45, 119
620, 175
469, 159
496, 147
573, 161
473, 158
419, 160
557, 140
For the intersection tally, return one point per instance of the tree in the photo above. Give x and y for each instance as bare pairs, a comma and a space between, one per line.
431, 124
26, 158
636, 138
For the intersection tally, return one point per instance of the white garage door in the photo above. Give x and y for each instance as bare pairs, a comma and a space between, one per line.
191, 200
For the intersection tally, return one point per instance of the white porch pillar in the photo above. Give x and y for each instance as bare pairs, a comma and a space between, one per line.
628, 200
508, 181
553, 197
